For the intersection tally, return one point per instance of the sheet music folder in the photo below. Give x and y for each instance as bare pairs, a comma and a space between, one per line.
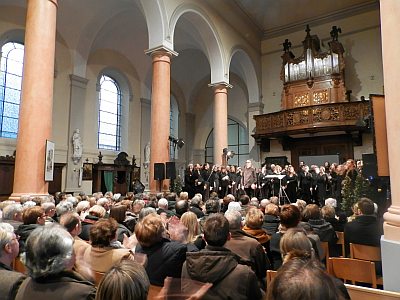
275, 176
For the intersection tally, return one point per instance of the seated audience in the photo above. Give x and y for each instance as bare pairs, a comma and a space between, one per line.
9, 249
49, 259
164, 257
32, 218
96, 212
323, 229
246, 246
329, 215
101, 255
118, 213
195, 206
126, 280
193, 238
253, 226
219, 266
12, 214
365, 228
72, 222
301, 279
271, 219
50, 210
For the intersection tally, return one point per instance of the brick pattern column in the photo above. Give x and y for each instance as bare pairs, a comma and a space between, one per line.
35, 118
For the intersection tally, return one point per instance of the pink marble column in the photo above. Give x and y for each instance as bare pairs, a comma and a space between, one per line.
220, 119
390, 10
35, 118
160, 115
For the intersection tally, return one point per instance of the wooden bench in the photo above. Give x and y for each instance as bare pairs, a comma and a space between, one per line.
364, 293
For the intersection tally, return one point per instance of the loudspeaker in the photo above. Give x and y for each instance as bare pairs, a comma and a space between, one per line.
159, 171
369, 165
170, 170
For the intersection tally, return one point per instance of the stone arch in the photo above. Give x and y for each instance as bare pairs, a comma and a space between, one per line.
212, 45
245, 68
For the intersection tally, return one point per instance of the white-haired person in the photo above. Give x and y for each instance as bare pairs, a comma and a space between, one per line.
50, 210
9, 249
12, 214
49, 259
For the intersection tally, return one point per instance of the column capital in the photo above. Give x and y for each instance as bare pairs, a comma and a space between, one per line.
219, 85
161, 50
78, 81
255, 107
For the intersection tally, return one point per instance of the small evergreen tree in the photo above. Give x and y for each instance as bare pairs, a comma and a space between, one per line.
176, 185
353, 191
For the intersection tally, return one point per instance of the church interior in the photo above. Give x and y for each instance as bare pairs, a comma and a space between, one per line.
99, 92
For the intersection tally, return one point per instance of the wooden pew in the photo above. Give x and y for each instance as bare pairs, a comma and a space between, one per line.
364, 293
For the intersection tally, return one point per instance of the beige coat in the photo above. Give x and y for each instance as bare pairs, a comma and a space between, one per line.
102, 259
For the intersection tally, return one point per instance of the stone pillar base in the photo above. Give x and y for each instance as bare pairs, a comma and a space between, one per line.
390, 264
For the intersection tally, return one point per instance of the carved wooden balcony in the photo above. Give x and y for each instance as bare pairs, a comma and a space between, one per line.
341, 116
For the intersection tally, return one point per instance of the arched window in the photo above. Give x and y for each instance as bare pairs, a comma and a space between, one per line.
109, 133
238, 141
12, 60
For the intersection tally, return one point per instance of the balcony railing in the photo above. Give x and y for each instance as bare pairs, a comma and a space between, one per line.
325, 117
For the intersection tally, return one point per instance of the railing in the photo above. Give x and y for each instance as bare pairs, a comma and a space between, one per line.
314, 118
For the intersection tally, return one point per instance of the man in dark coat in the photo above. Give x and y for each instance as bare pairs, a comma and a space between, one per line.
219, 266
364, 229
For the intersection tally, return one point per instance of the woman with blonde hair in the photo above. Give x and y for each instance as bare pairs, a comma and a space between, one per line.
193, 241
254, 221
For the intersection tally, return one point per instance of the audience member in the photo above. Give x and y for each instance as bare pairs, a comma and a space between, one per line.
32, 218
9, 249
49, 259
118, 213
246, 246
271, 219
364, 229
193, 239
219, 266
101, 255
253, 226
12, 214
96, 212
164, 257
126, 280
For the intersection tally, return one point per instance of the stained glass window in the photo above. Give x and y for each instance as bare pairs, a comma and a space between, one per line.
109, 133
11, 65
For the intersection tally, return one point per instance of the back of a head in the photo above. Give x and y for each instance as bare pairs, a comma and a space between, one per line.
216, 230
272, 209
150, 230
328, 212
163, 203
302, 280
103, 232
144, 212
70, 220
6, 236
213, 206
118, 213
97, 211
244, 199
314, 212
289, 215
181, 207
10, 211
126, 280
234, 218
49, 251
295, 244
366, 206
64, 207
254, 218
31, 215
